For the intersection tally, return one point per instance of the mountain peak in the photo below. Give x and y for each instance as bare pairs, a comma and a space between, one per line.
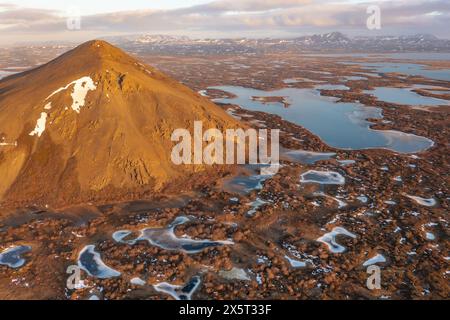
97, 50
98, 47
93, 124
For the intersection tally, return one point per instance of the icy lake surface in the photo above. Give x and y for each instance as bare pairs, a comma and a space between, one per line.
179, 292
340, 125
165, 238
90, 261
404, 96
12, 257
322, 177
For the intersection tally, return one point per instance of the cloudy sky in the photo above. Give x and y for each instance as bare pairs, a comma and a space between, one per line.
44, 20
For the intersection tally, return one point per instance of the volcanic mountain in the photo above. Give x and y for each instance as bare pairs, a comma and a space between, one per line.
93, 123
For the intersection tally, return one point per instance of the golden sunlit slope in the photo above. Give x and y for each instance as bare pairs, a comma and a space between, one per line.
108, 121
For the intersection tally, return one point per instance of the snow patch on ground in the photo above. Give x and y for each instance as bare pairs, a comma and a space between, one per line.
379, 258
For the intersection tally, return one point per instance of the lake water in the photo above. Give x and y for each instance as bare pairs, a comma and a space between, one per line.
340, 125
430, 56
405, 96
12, 257
165, 238
411, 69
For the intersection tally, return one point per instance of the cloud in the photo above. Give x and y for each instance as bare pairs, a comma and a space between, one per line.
244, 17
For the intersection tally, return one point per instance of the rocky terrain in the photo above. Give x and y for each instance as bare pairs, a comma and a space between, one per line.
308, 232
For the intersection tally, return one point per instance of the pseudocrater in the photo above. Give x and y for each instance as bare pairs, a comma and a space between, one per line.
322, 177
90, 261
330, 239
179, 292
12, 257
166, 239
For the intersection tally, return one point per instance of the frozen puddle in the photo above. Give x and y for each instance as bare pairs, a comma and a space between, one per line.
179, 292
90, 261
255, 205
430, 236
138, 282
234, 274
165, 238
431, 202
331, 87
404, 96
330, 239
252, 179
11, 257
295, 263
346, 163
362, 198
80, 89
322, 177
379, 258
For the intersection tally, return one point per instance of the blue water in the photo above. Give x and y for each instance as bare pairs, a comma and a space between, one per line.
165, 238
340, 125
410, 69
431, 56
405, 96
12, 257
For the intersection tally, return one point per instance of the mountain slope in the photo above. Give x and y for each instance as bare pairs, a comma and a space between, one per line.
91, 124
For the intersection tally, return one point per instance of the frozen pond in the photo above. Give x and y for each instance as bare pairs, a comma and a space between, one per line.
378, 258
90, 261
252, 178
405, 96
340, 125
430, 202
330, 239
331, 87
12, 257
165, 238
179, 292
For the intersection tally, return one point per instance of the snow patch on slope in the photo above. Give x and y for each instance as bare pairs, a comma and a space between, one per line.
40, 125
80, 89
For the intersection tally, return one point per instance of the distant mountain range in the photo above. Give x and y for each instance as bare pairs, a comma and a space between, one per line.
328, 42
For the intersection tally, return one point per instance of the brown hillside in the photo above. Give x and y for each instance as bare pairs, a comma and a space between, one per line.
117, 141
